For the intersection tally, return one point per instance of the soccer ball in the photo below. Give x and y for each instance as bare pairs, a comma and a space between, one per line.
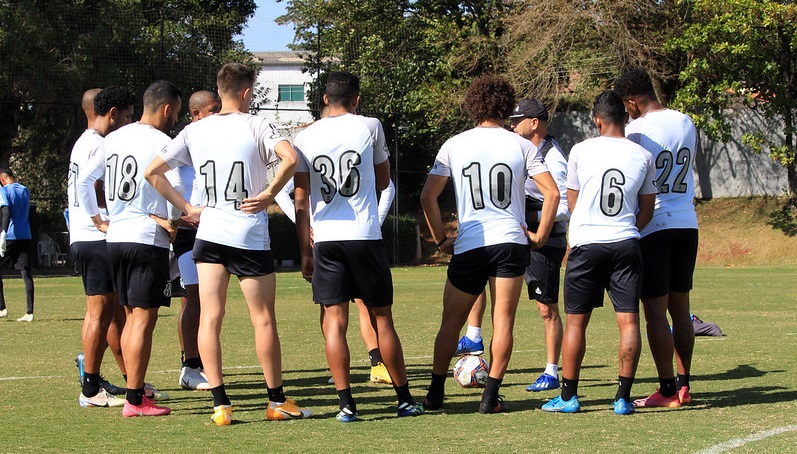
471, 371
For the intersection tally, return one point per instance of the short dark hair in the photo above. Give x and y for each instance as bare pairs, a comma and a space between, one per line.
633, 83
7, 171
234, 77
114, 96
160, 93
342, 87
609, 107
490, 97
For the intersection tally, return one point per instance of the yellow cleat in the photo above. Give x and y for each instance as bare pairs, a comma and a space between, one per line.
222, 415
278, 411
379, 374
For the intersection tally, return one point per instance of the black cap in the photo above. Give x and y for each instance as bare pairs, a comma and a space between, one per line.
531, 108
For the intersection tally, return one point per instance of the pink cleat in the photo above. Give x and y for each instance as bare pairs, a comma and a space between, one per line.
657, 400
147, 408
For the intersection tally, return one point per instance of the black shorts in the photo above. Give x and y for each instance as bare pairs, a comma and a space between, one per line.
470, 270
345, 270
593, 268
238, 262
542, 274
141, 274
669, 257
94, 265
184, 242
18, 252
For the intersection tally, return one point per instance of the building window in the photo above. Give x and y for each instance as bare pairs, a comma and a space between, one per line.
290, 93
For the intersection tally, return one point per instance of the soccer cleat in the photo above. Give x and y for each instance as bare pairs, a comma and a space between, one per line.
191, 378
26, 318
79, 363
346, 415
468, 347
222, 415
102, 399
657, 400
379, 374
111, 388
544, 382
433, 403
562, 406
147, 408
499, 407
683, 395
4, 313
152, 393
409, 409
277, 411
331, 381
622, 407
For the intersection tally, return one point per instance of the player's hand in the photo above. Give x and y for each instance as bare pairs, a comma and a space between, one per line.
533, 237
256, 204
103, 226
185, 221
192, 214
307, 267
447, 246
3, 243
169, 226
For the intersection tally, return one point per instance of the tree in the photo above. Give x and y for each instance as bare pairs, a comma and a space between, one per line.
56, 50
741, 53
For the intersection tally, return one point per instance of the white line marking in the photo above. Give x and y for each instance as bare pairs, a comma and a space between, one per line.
738, 442
39, 377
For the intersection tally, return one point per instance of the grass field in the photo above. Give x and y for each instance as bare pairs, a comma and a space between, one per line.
744, 384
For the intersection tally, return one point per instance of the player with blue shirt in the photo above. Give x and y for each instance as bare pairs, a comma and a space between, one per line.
15, 240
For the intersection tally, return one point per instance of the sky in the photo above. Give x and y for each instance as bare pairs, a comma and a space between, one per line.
262, 34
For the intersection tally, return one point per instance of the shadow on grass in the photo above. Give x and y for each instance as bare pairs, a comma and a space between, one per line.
784, 219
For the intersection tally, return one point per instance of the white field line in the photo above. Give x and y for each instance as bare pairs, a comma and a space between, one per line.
739, 442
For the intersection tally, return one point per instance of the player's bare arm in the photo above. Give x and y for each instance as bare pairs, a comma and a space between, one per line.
170, 226
431, 210
155, 175
301, 200
285, 171
550, 203
382, 173
647, 203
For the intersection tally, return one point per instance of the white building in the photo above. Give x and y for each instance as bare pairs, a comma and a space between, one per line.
281, 74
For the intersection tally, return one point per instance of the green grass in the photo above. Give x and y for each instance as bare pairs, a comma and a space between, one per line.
743, 383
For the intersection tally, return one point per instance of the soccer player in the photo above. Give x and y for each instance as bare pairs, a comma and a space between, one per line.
530, 121
343, 161
15, 239
669, 242
201, 104
610, 192
230, 152
112, 109
138, 233
488, 166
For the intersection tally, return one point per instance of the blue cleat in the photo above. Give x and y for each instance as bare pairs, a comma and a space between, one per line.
408, 409
468, 347
623, 407
562, 406
346, 415
545, 382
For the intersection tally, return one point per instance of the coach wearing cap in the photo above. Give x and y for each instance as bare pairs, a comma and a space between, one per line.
530, 120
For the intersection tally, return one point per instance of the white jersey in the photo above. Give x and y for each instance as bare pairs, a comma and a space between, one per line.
229, 153
557, 165
81, 227
129, 197
488, 167
610, 173
671, 138
339, 153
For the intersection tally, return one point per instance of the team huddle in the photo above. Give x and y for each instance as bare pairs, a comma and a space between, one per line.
134, 191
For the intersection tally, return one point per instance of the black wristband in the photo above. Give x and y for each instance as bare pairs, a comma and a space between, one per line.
441, 243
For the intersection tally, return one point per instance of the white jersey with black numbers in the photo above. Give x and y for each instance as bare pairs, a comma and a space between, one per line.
339, 154
488, 167
229, 153
670, 136
609, 174
129, 197
81, 227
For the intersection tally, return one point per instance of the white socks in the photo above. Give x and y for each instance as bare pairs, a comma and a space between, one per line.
474, 333
552, 370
